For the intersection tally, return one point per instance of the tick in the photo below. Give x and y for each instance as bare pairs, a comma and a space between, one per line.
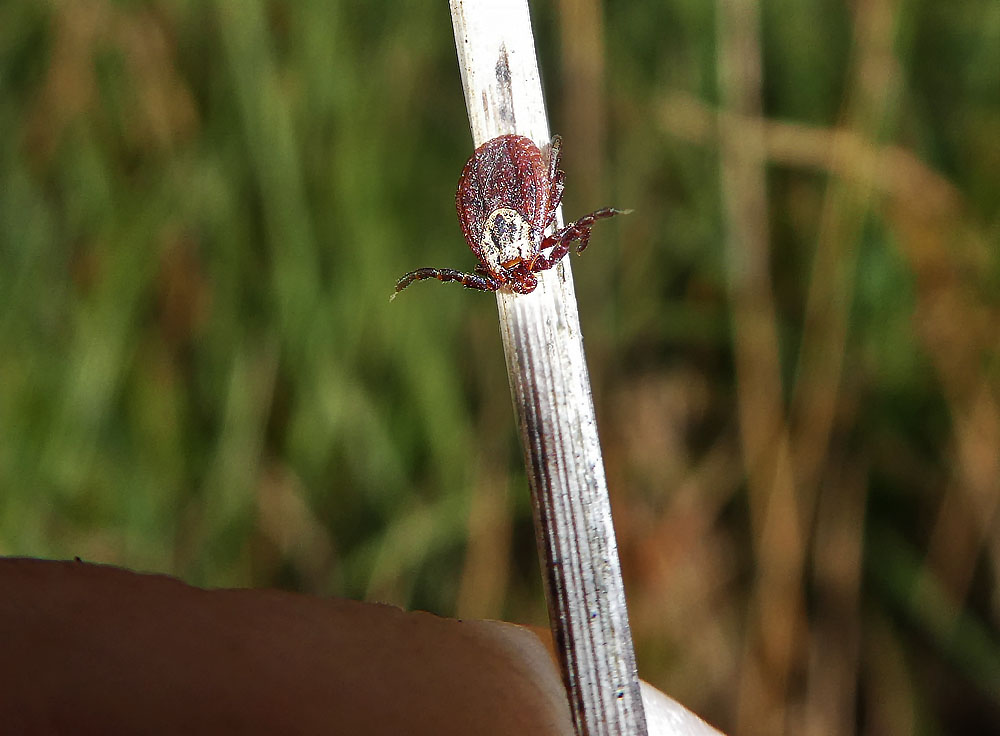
507, 196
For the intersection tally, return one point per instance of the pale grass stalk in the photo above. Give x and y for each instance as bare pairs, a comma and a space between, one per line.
552, 399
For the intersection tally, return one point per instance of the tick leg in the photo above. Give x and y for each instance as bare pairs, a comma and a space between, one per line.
561, 240
556, 180
483, 282
587, 221
555, 152
556, 186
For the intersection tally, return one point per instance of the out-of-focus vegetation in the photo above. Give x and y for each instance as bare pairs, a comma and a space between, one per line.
793, 341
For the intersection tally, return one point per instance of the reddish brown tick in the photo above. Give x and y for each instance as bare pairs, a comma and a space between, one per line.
507, 196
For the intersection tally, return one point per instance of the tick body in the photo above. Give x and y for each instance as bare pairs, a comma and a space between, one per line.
507, 197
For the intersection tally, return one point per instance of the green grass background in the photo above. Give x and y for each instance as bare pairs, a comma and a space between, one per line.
204, 207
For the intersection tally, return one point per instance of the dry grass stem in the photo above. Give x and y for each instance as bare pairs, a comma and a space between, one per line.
552, 401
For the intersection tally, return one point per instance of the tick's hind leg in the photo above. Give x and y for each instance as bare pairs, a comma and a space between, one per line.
561, 240
555, 153
557, 180
483, 282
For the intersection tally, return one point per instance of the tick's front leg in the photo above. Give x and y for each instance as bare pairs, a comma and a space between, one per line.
483, 282
561, 240
583, 225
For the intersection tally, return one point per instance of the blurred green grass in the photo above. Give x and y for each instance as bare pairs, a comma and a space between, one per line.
204, 206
